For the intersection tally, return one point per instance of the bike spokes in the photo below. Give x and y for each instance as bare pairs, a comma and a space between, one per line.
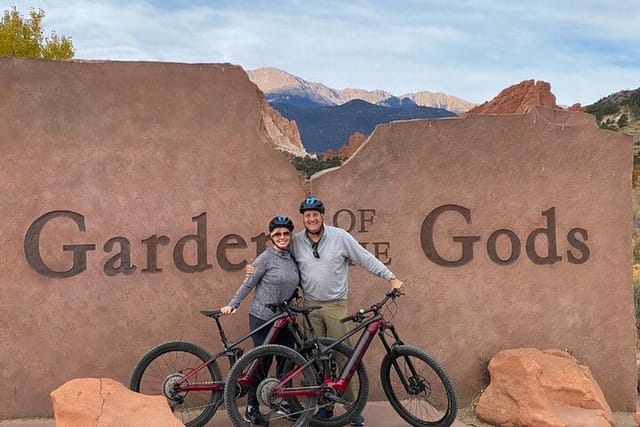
284, 393
162, 371
424, 395
418, 387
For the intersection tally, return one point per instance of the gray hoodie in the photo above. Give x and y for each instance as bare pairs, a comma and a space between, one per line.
275, 279
325, 278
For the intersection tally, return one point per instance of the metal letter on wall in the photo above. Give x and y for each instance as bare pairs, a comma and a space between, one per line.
426, 237
32, 246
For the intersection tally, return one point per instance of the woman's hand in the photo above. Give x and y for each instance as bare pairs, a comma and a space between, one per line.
227, 309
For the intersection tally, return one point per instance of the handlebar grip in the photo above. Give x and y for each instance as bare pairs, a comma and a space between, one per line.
359, 314
394, 293
303, 310
347, 319
275, 307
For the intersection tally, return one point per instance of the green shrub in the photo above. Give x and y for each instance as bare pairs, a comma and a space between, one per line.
623, 121
601, 109
309, 165
634, 102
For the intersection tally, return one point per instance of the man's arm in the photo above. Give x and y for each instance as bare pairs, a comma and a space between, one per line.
366, 260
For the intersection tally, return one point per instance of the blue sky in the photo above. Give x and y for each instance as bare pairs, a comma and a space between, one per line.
470, 49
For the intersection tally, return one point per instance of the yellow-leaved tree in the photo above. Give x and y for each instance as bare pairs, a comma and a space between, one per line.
23, 37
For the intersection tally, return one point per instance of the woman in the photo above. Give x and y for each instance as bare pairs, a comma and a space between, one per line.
274, 279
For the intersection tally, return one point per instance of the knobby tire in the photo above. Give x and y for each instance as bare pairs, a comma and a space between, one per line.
269, 403
166, 363
430, 399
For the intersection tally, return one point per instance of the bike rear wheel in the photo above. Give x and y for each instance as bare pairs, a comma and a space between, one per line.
158, 371
418, 387
259, 363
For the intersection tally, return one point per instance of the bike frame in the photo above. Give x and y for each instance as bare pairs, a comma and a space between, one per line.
369, 328
233, 352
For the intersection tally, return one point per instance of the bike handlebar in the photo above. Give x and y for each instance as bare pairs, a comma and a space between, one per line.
355, 317
285, 306
359, 316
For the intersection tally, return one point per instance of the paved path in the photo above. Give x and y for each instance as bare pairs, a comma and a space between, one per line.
377, 414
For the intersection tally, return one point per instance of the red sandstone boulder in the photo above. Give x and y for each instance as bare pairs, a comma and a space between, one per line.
107, 403
518, 98
530, 387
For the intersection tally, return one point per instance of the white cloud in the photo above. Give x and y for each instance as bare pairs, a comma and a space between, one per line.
465, 48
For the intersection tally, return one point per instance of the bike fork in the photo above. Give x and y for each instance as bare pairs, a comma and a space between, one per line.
394, 362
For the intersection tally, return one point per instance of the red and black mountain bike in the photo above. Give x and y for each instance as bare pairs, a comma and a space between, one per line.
314, 380
190, 378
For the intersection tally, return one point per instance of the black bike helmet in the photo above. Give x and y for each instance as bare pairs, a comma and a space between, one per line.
312, 204
280, 221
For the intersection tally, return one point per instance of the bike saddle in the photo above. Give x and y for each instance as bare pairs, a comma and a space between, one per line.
214, 314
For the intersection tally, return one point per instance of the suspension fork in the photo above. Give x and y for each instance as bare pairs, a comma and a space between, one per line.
394, 361
396, 338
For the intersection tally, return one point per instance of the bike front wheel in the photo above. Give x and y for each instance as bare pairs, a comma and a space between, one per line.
418, 387
260, 371
162, 367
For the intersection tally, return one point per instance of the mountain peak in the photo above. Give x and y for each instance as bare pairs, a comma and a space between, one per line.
282, 87
269, 79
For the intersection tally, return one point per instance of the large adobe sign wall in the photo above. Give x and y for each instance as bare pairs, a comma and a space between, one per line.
134, 194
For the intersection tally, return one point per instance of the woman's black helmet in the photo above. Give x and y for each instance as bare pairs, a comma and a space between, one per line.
312, 204
280, 221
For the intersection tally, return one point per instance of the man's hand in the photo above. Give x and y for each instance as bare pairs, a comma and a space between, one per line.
249, 270
227, 310
395, 283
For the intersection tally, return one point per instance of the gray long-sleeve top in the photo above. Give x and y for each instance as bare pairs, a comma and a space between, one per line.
275, 279
325, 278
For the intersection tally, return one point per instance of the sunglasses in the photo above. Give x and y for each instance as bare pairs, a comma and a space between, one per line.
282, 234
314, 248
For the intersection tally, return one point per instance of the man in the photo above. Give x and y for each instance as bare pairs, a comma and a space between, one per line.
323, 254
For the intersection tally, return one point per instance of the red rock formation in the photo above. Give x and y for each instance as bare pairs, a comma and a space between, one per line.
518, 98
105, 402
530, 387
330, 154
355, 141
283, 133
